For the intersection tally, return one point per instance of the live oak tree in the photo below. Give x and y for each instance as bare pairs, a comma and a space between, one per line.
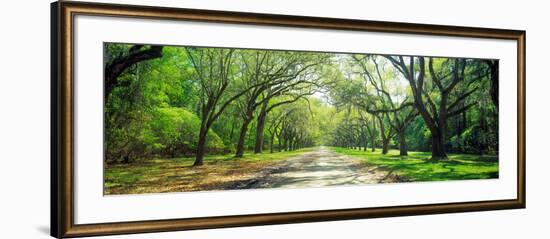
253, 74
393, 105
433, 95
272, 74
286, 97
275, 126
493, 76
124, 60
301, 79
296, 130
369, 124
216, 73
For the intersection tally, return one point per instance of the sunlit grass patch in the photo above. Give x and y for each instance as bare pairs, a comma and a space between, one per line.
417, 166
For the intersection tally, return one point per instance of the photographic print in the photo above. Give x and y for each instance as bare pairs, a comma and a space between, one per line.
190, 118
158, 113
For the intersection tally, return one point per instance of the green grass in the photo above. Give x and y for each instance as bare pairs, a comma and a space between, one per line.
417, 166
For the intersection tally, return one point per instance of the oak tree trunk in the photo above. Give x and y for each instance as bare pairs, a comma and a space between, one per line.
402, 144
438, 146
385, 145
271, 143
242, 137
259, 144
201, 146
493, 68
372, 143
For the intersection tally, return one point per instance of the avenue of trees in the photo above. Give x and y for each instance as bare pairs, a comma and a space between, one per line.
164, 101
423, 103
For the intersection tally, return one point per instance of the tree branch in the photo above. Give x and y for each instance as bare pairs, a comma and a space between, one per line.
459, 99
119, 65
461, 110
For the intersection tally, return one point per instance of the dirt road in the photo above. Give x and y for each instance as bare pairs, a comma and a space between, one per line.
319, 168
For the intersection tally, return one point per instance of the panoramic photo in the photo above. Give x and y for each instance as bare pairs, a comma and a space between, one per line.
188, 118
